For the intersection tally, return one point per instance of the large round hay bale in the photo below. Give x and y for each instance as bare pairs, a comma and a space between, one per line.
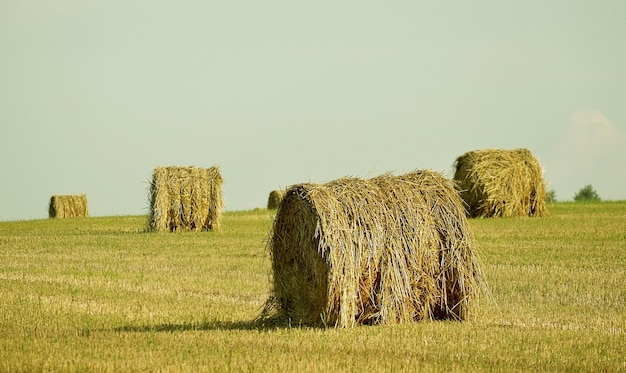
501, 183
68, 206
185, 199
391, 249
274, 199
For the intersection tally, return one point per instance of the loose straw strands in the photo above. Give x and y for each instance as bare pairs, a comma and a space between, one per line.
391, 249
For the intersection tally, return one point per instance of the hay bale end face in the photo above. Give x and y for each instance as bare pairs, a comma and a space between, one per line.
501, 183
391, 249
68, 206
185, 199
274, 199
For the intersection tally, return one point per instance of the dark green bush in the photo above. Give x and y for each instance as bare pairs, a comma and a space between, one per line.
587, 194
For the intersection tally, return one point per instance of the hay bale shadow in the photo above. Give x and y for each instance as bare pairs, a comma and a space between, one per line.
256, 324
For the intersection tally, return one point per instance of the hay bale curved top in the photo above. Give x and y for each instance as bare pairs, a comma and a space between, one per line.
391, 249
501, 183
185, 199
274, 199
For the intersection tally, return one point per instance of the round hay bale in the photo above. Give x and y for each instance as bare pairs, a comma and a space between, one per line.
274, 199
185, 199
501, 183
391, 249
68, 206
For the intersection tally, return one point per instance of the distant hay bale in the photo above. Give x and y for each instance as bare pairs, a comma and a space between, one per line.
391, 249
274, 199
68, 206
185, 199
501, 183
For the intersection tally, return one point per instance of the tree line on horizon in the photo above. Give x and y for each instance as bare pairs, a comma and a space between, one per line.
584, 194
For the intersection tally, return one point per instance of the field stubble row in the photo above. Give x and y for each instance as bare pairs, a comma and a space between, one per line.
101, 294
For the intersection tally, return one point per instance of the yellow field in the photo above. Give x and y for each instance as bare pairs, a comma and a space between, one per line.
99, 294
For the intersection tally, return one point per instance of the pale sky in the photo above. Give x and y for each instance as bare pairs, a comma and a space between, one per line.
95, 94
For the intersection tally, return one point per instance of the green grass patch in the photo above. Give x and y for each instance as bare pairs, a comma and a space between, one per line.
100, 294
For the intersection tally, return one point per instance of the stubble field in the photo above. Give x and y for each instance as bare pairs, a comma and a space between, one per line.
100, 294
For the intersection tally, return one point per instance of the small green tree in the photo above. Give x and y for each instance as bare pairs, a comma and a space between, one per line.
551, 196
587, 194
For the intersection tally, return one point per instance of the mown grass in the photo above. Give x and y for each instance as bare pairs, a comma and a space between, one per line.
99, 294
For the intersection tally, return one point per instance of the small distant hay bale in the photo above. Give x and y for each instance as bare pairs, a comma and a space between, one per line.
391, 249
274, 199
68, 206
501, 183
185, 199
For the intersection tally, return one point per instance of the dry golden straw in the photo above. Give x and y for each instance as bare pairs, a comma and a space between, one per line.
274, 199
185, 199
68, 206
501, 183
392, 249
